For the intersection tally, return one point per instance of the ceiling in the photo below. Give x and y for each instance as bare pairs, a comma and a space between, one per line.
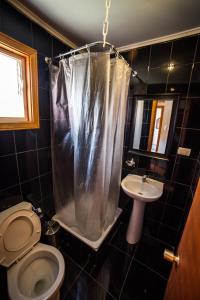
131, 21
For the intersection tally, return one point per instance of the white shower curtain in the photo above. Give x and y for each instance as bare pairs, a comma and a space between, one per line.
89, 95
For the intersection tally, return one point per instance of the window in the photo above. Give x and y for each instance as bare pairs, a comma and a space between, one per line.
18, 85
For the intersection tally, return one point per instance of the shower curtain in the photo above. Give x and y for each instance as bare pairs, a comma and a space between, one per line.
89, 95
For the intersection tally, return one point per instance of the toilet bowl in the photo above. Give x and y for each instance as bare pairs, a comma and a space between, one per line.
35, 271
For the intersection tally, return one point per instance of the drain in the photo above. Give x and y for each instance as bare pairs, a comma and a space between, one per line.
39, 287
140, 193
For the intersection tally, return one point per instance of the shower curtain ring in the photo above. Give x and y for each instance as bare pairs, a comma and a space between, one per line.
88, 48
111, 48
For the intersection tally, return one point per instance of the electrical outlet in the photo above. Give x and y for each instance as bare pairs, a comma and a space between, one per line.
184, 151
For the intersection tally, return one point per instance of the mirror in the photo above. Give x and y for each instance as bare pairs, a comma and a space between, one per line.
153, 123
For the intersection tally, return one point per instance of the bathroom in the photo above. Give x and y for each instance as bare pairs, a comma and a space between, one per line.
168, 68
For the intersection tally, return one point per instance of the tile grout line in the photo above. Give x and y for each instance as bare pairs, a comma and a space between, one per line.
18, 171
127, 273
38, 168
170, 57
97, 282
150, 269
26, 151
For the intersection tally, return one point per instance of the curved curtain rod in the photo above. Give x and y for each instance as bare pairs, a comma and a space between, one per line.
49, 60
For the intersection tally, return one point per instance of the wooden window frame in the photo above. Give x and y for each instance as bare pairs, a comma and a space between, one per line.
28, 56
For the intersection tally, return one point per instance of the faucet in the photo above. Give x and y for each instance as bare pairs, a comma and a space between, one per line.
144, 178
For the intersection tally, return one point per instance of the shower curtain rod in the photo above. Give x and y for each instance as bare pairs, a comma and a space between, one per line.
49, 60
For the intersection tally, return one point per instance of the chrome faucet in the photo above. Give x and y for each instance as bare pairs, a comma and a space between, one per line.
144, 178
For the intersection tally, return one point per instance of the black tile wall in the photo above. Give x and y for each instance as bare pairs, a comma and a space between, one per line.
25, 155
165, 218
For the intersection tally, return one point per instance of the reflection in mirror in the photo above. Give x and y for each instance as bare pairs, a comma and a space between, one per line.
152, 124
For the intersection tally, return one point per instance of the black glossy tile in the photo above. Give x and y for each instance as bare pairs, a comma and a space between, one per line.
183, 171
142, 77
124, 200
154, 210
119, 240
46, 185
191, 139
43, 72
9, 174
43, 134
177, 195
183, 50
85, 287
178, 80
146, 163
76, 250
111, 264
48, 206
31, 191
180, 112
160, 168
197, 57
139, 85
141, 58
10, 197
186, 211
42, 40
191, 117
195, 177
25, 140
175, 141
172, 217
150, 252
3, 277
151, 227
168, 235
6, 143
129, 56
28, 165
15, 24
143, 284
156, 88
158, 60
45, 164
44, 101
59, 47
1, 21
71, 274
194, 89
158, 76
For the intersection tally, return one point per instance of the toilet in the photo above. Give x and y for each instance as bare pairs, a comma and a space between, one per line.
35, 271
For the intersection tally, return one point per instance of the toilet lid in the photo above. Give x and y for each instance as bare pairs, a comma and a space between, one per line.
19, 232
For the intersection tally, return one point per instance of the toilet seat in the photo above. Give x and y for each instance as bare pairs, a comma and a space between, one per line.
20, 230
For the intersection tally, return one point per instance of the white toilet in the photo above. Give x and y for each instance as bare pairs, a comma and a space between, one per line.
35, 271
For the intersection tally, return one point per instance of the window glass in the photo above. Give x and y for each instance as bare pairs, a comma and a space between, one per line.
11, 87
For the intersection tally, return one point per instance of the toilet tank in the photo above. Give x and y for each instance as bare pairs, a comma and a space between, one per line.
20, 230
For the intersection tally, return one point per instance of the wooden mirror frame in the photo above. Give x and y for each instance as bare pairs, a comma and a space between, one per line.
28, 56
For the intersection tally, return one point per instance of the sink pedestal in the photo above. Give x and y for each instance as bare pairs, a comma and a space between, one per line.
136, 221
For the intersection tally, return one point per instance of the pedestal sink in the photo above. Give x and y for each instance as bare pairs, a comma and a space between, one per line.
142, 190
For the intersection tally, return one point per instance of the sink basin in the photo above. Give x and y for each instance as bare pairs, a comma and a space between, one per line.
141, 191
147, 191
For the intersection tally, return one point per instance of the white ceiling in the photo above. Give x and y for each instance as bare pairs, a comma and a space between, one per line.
131, 21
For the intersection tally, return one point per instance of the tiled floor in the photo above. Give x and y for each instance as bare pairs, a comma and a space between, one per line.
117, 271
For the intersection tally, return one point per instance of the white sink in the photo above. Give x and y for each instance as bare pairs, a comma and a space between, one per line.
142, 190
